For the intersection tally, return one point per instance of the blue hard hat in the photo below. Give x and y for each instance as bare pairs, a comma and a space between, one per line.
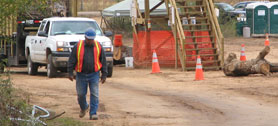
90, 34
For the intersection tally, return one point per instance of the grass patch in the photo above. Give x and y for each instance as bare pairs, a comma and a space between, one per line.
66, 122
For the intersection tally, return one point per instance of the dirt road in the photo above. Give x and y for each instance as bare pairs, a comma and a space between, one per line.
134, 97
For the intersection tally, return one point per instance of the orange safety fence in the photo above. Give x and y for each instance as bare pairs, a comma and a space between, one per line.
164, 44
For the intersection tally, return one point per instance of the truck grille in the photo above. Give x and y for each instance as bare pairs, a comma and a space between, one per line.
72, 43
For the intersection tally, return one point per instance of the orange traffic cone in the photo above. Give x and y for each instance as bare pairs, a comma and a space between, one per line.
199, 70
155, 64
242, 54
266, 42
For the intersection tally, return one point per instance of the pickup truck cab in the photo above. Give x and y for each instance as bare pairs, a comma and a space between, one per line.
53, 43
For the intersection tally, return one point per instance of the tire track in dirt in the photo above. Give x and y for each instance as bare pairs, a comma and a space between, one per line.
208, 107
183, 104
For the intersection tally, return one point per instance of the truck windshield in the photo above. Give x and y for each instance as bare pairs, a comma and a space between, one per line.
73, 27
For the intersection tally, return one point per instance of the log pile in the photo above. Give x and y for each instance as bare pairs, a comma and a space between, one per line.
235, 67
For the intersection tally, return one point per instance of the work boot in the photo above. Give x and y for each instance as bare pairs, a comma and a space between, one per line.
83, 112
93, 117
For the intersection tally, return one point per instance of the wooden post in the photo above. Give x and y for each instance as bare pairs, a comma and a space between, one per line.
177, 45
10, 35
1, 31
167, 6
73, 9
5, 35
81, 5
171, 15
1, 28
181, 36
147, 13
148, 29
222, 52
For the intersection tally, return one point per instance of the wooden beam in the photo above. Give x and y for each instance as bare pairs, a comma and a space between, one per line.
156, 6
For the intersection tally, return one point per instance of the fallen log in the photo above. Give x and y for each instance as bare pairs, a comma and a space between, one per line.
235, 67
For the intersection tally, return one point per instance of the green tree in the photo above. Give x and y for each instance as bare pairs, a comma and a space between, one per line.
24, 9
11, 10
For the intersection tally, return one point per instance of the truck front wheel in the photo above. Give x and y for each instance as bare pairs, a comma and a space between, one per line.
32, 67
2, 67
51, 69
110, 70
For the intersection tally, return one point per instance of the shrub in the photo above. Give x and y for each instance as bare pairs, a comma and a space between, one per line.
11, 98
227, 24
229, 28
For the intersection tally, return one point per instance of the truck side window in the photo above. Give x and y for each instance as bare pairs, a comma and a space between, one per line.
47, 27
240, 6
42, 26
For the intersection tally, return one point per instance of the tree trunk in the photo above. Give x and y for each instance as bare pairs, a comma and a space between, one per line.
235, 67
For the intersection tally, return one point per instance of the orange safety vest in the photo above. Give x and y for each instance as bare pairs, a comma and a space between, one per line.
80, 55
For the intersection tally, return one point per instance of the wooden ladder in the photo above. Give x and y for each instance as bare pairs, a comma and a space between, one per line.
196, 32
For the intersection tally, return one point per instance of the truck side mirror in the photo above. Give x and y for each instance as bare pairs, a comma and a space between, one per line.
108, 33
42, 33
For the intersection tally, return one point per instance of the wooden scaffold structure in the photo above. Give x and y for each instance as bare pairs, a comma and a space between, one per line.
194, 29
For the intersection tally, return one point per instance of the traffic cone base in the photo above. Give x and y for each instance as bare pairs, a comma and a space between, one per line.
155, 64
266, 42
199, 70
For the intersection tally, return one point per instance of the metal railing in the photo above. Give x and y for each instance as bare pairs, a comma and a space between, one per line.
34, 119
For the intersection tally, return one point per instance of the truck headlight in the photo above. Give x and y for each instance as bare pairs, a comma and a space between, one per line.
106, 44
108, 49
60, 43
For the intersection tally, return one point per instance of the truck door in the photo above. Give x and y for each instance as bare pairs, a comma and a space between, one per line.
41, 46
38, 43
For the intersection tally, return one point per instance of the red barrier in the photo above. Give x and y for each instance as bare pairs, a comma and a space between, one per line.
118, 40
164, 44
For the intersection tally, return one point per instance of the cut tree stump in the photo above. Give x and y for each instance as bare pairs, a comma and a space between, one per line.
235, 67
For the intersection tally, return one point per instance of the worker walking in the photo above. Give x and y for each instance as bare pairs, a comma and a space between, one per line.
88, 58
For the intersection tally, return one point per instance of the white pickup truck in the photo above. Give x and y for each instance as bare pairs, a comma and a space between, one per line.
56, 37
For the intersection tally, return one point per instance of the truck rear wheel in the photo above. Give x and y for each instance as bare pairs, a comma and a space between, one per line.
110, 70
32, 67
51, 69
2, 68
